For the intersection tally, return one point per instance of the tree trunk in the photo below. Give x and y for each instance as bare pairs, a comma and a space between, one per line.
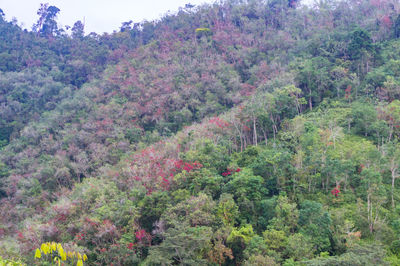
369, 211
394, 176
265, 135
254, 131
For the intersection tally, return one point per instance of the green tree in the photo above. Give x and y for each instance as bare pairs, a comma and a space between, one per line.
248, 190
239, 239
364, 116
316, 223
358, 255
78, 30
313, 79
299, 247
46, 24
274, 165
286, 215
361, 50
182, 244
275, 240
360, 40
151, 209
227, 210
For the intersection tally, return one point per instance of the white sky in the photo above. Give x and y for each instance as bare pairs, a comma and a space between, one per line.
100, 15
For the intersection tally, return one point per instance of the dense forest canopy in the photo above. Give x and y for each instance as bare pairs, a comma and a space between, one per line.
244, 132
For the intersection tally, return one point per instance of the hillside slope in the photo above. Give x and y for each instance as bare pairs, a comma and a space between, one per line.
246, 132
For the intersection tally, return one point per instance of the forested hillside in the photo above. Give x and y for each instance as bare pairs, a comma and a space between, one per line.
246, 132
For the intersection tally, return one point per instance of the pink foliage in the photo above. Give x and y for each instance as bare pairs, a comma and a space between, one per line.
130, 246
335, 191
348, 92
230, 172
140, 234
155, 167
386, 21
219, 122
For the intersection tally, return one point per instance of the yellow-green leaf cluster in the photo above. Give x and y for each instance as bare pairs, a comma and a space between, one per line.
203, 32
7, 262
55, 252
199, 30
